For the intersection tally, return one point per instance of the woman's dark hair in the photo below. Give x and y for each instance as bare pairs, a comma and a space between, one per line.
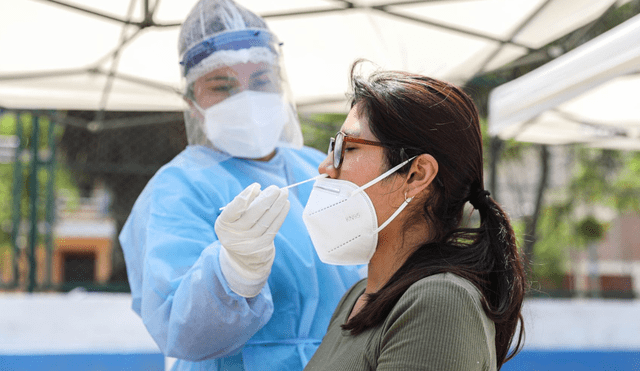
412, 115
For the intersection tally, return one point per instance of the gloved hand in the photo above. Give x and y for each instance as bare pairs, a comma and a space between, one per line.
246, 229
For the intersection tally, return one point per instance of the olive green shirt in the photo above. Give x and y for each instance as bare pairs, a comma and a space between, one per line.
438, 324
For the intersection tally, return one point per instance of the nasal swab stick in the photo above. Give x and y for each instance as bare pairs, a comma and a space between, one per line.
297, 184
304, 181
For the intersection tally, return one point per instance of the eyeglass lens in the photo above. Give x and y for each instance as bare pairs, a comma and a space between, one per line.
337, 150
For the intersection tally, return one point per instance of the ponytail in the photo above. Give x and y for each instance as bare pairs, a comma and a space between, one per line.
505, 287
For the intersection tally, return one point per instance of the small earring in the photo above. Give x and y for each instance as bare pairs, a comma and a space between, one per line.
407, 200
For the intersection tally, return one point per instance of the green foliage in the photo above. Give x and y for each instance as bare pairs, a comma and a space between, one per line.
608, 178
594, 172
7, 124
6, 175
555, 234
601, 178
627, 185
590, 229
318, 128
514, 150
63, 182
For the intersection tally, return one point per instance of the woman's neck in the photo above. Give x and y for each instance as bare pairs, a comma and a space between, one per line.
395, 245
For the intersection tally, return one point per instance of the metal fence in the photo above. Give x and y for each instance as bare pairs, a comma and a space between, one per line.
69, 183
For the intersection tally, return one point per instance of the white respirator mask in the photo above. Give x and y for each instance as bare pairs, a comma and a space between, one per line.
248, 124
342, 222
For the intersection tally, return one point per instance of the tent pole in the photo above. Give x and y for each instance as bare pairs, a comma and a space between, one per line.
50, 203
33, 201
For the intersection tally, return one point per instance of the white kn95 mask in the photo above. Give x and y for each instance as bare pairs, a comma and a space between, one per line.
248, 124
342, 222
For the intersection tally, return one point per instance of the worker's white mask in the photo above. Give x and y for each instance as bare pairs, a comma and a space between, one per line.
342, 222
248, 124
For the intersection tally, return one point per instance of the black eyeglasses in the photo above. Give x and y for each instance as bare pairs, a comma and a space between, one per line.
336, 145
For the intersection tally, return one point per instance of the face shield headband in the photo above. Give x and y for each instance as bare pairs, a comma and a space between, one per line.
233, 40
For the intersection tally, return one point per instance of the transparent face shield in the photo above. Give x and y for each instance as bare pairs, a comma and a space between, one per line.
224, 82
228, 64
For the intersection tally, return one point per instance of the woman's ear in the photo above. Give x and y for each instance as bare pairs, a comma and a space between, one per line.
423, 171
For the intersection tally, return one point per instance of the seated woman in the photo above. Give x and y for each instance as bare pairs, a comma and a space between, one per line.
439, 296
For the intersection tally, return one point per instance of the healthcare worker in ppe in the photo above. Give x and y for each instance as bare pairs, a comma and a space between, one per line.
240, 288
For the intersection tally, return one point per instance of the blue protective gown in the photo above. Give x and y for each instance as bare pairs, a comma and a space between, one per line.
171, 253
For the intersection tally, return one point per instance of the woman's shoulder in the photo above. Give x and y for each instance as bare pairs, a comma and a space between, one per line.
445, 283
437, 294
444, 311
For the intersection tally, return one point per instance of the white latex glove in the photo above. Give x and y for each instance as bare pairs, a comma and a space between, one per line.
246, 229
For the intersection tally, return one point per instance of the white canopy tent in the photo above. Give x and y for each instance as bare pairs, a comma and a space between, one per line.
121, 55
589, 95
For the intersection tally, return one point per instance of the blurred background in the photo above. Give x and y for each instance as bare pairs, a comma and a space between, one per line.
90, 109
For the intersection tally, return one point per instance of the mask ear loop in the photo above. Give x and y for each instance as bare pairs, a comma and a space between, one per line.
393, 216
379, 178
386, 174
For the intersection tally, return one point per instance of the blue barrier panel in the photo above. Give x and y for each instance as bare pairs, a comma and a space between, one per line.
574, 360
83, 362
74, 331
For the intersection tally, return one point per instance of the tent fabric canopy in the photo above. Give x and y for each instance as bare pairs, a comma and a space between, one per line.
121, 55
588, 95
